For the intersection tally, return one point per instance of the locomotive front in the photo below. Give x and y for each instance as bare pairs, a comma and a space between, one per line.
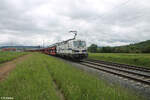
79, 49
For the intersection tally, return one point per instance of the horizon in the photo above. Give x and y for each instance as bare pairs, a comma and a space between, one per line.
50, 44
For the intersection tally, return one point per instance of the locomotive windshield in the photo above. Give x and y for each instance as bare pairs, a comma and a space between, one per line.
79, 43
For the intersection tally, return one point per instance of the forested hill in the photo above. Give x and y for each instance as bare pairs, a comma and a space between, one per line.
142, 44
142, 47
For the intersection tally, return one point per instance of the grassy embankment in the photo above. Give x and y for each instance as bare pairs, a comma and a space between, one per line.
31, 80
7, 56
124, 58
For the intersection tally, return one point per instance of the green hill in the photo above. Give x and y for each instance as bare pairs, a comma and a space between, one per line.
142, 47
142, 44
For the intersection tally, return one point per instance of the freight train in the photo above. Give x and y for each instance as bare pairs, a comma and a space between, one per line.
72, 48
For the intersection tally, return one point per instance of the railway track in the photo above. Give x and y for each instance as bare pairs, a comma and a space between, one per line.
137, 74
143, 69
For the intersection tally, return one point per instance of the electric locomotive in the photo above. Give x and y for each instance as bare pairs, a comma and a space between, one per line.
72, 48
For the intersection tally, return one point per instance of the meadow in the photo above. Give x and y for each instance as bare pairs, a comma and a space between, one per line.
7, 56
29, 81
142, 60
33, 78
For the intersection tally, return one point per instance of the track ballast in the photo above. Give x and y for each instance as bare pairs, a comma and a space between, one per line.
138, 74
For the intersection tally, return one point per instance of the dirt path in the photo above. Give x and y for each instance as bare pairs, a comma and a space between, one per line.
58, 91
5, 68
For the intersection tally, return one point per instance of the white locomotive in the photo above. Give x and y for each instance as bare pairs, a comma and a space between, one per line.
72, 48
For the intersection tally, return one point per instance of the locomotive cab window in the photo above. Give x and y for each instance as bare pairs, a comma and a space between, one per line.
79, 43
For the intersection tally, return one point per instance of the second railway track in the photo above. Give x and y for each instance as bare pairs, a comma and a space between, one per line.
133, 73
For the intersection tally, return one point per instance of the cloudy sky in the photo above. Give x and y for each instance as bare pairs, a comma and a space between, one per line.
103, 22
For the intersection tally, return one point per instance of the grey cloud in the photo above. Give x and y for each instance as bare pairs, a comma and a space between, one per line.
37, 20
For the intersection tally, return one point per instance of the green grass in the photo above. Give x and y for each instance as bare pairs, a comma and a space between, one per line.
78, 85
124, 58
7, 56
32, 81
29, 81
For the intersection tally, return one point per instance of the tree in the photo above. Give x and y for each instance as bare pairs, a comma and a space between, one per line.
107, 50
93, 48
146, 49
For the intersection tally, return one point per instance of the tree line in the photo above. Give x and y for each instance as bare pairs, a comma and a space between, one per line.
120, 49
